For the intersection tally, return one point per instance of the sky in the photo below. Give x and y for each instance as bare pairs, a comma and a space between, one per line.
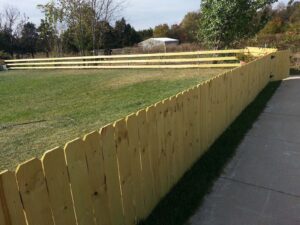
141, 14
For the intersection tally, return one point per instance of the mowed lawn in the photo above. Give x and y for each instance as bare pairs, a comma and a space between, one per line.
40, 110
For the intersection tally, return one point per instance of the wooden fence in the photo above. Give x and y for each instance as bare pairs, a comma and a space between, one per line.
198, 59
117, 175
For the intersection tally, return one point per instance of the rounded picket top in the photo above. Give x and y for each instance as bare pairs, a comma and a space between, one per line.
33, 190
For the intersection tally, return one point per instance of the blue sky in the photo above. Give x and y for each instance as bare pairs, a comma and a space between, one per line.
140, 13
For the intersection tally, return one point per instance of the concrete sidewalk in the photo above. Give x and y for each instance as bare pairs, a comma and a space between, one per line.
261, 185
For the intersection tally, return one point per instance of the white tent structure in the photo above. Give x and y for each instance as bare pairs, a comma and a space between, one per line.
158, 42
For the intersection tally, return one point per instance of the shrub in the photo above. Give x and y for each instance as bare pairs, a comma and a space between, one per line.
4, 55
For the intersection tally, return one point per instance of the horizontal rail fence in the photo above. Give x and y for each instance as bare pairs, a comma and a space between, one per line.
117, 175
199, 59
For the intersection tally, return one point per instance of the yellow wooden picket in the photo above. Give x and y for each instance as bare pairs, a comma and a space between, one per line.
79, 181
10, 200
56, 174
97, 178
127, 186
136, 166
34, 194
111, 169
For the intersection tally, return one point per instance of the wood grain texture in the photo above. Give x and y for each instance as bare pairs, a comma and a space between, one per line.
11, 208
34, 194
151, 117
123, 155
58, 184
162, 164
179, 135
136, 165
173, 139
111, 169
4, 216
147, 172
97, 177
79, 181
167, 141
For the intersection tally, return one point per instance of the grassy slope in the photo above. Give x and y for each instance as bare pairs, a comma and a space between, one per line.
44, 109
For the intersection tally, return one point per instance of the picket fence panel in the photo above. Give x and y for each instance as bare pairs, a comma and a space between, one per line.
117, 175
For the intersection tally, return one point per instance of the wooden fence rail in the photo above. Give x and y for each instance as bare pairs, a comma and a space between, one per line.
198, 59
117, 175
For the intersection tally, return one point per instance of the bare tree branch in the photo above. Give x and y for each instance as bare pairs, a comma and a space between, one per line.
11, 15
19, 26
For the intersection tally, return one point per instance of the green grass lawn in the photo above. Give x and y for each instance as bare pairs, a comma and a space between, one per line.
44, 109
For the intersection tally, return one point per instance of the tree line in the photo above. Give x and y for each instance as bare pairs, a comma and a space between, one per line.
237, 23
68, 26
283, 28
80, 27
75, 27
83, 27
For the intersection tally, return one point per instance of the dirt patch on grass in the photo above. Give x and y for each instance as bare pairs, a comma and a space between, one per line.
150, 75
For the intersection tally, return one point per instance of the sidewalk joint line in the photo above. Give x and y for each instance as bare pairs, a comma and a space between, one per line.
259, 186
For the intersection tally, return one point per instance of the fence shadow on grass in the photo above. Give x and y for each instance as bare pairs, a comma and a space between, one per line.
180, 204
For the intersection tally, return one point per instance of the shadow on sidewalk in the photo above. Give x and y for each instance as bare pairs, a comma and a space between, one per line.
186, 197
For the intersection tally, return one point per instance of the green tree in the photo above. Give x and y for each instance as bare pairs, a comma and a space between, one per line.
145, 34
190, 26
284, 19
293, 11
125, 34
177, 32
68, 42
103, 11
82, 18
46, 37
162, 30
106, 36
53, 16
120, 29
78, 16
224, 22
29, 39
275, 26
5, 40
